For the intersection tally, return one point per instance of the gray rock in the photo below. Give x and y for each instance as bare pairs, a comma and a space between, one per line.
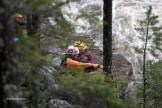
122, 65
48, 78
56, 103
56, 61
119, 63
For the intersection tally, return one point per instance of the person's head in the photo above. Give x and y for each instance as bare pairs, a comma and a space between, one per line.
19, 18
81, 46
72, 51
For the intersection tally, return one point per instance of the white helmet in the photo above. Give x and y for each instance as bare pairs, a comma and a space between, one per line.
72, 50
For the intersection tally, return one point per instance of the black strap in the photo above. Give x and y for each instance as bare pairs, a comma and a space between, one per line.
64, 62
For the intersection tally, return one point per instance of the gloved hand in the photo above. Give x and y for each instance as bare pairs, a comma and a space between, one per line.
89, 69
100, 66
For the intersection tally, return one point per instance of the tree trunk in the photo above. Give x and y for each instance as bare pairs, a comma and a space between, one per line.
144, 66
8, 61
32, 30
32, 24
107, 36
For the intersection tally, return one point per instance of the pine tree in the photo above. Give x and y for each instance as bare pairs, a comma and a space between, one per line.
30, 59
151, 35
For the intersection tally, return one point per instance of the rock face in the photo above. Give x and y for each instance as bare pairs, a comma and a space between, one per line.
56, 103
122, 65
119, 63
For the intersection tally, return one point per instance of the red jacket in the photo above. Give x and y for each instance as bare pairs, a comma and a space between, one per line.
88, 58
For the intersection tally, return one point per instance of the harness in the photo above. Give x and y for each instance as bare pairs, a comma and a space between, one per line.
64, 60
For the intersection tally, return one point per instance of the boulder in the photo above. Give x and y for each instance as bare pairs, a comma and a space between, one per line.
119, 63
56, 103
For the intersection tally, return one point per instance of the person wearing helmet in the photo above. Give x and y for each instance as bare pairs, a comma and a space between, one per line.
19, 18
84, 55
19, 21
70, 59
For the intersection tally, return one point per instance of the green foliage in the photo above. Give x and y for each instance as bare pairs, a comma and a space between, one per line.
154, 83
29, 52
30, 6
154, 32
93, 89
150, 87
30, 64
90, 14
138, 50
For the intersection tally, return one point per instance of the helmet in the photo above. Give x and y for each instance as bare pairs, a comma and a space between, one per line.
80, 45
72, 50
18, 15
19, 18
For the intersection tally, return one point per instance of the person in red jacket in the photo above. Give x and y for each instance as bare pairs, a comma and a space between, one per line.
84, 55
70, 60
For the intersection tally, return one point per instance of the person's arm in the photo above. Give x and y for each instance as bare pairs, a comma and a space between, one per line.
73, 63
78, 59
90, 58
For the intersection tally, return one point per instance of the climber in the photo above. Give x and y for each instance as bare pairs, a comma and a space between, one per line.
19, 18
84, 55
70, 60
